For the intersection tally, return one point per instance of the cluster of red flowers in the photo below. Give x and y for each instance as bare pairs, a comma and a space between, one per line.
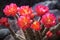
25, 19
26, 13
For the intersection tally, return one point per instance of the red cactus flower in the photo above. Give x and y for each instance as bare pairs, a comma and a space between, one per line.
24, 22
36, 26
48, 20
10, 10
41, 9
49, 34
3, 20
25, 10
